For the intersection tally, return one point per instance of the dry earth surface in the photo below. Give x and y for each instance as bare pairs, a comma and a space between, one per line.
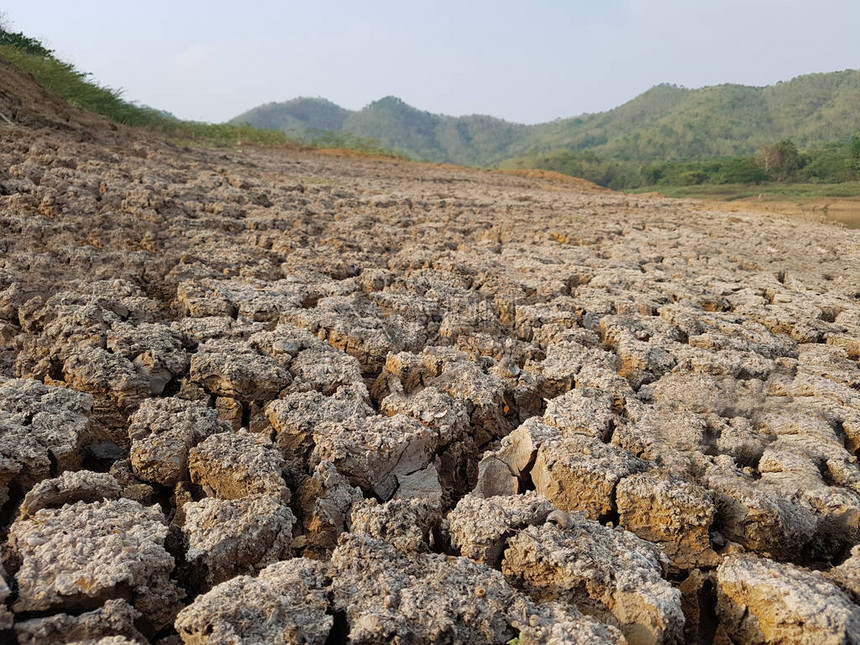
270, 396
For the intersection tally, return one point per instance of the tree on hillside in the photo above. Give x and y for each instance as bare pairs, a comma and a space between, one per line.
781, 160
854, 148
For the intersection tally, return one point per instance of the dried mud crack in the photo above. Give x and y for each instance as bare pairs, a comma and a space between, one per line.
264, 396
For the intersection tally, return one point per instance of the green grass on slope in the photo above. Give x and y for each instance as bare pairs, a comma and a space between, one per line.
63, 80
66, 82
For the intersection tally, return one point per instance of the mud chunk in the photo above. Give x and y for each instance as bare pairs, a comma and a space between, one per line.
233, 369
374, 452
794, 473
481, 527
447, 417
230, 411
761, 601
6, 616
294, 417
155, 349
675, 440
698, 599
703, 394
847, 575
132, 487
830, 361
642, 362
313, 363
484, 396
422, 484
231, 465
555, 623
82, 555
285, 603
757, 518
39, 425
607, 573
407, 524
264, 300
203, 298
162, 432
118, 387
324, 369
738, 438
286, 341
582, 411
386, 593
563, 362
56, 330
359, 328
199, 330
68, 488
670, 512
504, 471
325, 500
554, 317
580, 473
114, 618
107, 640
226, 538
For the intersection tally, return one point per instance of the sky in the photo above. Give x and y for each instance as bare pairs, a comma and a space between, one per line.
527, 62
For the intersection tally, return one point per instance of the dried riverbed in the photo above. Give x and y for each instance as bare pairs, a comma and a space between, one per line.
275, 396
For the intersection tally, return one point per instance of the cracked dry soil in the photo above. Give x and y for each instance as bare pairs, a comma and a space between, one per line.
274, 396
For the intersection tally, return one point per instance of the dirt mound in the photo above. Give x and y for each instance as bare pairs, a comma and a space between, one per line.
23, 101
552, 177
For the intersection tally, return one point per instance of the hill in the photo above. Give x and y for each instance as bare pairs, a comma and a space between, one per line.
666, 122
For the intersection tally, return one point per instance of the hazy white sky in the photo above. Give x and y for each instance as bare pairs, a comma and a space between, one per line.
522, 61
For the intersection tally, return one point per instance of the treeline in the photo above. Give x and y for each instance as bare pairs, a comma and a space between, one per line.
833, 162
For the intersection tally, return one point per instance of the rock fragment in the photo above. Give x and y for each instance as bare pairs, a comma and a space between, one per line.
114, 618
42, 429
607, 573
68, 488
229, 537
481, 527
670, 512
231, 465
760, 601
162, 432
375, 452
579, 473
82, 555
285, 603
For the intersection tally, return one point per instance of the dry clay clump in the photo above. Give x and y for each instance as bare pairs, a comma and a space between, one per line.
259, 395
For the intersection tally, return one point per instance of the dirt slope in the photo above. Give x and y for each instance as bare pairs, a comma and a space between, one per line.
275, 396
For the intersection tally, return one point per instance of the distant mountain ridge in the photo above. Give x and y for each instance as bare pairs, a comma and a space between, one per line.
665, 122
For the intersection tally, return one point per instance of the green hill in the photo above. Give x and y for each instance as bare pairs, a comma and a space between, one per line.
666, 122
298, 115
396, 126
